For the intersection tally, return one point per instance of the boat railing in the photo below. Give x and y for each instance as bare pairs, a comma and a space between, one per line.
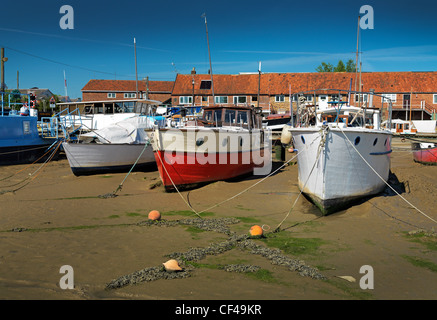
65, 121
306, 111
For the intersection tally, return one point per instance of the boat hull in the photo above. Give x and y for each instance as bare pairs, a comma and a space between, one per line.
330, 170
94, 158
425, 153
186, 164
20, 141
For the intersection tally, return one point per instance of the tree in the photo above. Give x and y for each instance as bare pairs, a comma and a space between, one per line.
327, 67
350, 66
340, 67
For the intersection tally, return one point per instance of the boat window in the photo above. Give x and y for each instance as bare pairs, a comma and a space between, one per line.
118, 107
375, 142
98, 108
230, 117
208, 115
109, 108
303, 139
242, 117
128, 106
217, 115
88, 110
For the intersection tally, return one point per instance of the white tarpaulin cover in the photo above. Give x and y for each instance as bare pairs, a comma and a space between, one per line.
127, 131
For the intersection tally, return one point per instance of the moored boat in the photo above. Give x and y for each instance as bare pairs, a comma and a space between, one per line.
424, 152
20, 140
117, 148
343, 154
227, 142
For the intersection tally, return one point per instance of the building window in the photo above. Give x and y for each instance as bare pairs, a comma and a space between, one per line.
391, 96
434, 100
279, 98
363, 97
130, 95
111, 95
309, 97
221, 99
205, 84
185, 100
204, 99
254, 98
239, 99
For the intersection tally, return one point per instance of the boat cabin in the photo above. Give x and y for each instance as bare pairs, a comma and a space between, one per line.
235, 116
402, 127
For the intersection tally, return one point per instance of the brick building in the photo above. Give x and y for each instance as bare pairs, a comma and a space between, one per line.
414, 94
103, 90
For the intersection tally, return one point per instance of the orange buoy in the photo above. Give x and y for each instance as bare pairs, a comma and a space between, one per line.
172, 265
256, 231
154, 215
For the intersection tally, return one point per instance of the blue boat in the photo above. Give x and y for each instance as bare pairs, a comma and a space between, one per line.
20, 139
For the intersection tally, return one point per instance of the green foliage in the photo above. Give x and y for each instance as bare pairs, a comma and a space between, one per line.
341, 67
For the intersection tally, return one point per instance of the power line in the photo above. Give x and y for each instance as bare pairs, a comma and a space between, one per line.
57, 62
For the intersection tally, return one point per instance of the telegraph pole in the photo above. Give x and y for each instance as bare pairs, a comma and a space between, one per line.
2, 71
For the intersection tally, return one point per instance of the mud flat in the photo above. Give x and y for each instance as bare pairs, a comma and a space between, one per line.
59, 219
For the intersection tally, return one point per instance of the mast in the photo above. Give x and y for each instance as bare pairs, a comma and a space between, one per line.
136, 74
209, 54
259, 83
356, 61
65, 86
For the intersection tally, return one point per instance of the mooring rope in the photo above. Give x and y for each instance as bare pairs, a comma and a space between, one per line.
397, 193
5, 178
165, 169
35, 172
322, 137
120, 186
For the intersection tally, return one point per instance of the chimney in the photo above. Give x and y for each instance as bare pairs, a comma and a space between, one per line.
193, 71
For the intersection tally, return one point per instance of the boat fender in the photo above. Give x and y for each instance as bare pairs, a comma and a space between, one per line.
286, 134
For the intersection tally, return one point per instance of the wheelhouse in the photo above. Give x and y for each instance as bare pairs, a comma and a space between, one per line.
220, 116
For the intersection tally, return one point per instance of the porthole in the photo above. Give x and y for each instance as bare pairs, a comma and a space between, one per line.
357, 140
375, 141
199, 142
303, 139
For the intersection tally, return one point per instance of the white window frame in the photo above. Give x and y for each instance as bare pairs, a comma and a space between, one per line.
434, 98
219, 98
391, 96
111, 95
186, 100
236, 98
130, 95
363, 97
279, 98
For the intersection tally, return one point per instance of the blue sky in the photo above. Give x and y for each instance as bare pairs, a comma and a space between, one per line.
285, 35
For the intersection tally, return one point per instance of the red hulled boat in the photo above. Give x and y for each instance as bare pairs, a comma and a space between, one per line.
424, 152
227, 142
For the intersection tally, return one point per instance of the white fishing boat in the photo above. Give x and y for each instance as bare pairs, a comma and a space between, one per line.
343, 153
116, 148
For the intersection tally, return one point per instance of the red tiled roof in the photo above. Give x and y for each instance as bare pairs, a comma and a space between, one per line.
283, 83
127, 86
